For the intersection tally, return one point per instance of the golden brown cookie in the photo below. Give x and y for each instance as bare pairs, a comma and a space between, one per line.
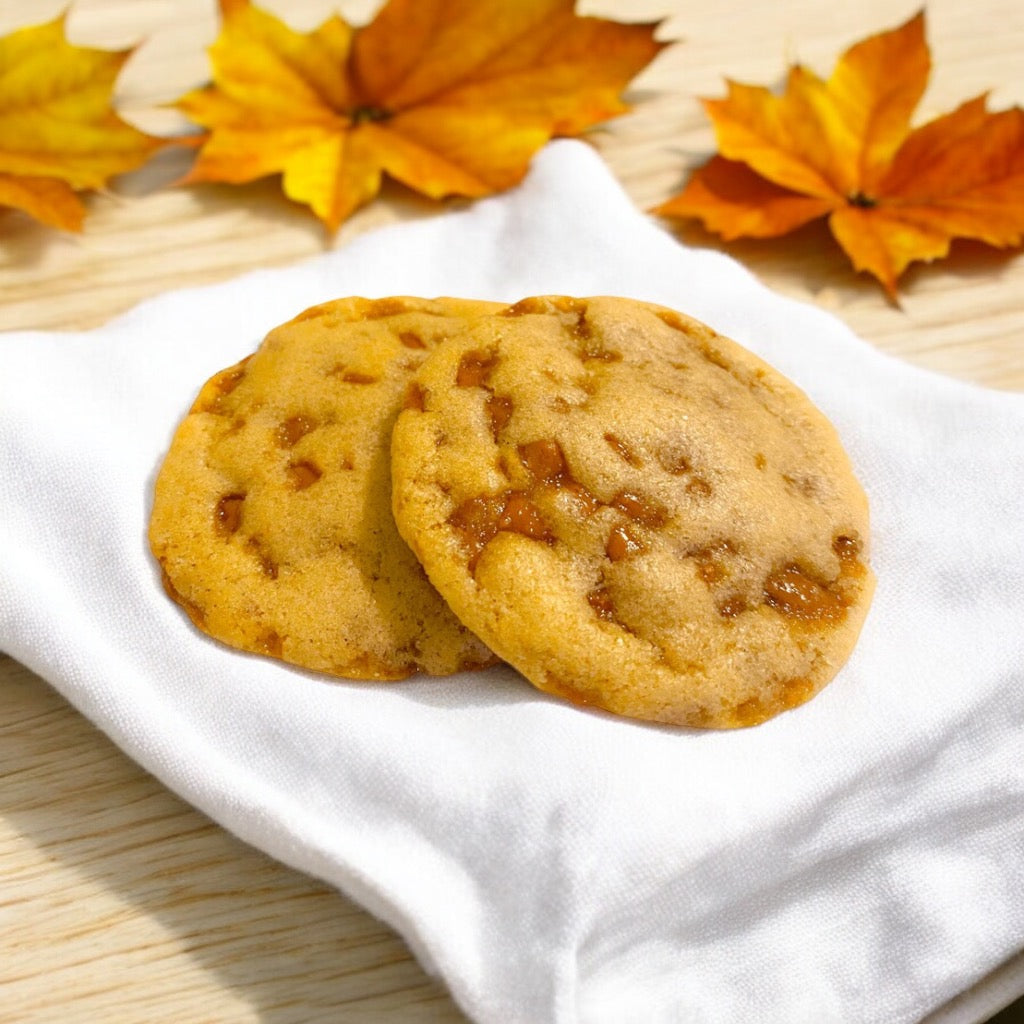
272, 511
634, 511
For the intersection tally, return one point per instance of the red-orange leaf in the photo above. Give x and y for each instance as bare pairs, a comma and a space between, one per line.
450, 97
844, 148
49, 200
58, 130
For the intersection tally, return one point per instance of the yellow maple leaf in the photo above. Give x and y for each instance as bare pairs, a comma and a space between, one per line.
58, 131
449, 97
843, 148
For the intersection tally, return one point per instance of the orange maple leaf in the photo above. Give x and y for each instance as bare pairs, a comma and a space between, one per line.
58, 131
843, 148
449, 97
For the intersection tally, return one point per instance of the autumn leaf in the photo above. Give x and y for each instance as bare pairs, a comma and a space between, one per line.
449, 97
59, 133
843, 148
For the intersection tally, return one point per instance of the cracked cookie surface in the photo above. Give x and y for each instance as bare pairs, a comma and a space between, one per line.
271, 515
635, 512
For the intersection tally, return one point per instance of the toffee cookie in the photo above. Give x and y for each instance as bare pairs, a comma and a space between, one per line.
271, 514
635, 512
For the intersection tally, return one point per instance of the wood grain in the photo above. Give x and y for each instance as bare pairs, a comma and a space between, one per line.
120, 902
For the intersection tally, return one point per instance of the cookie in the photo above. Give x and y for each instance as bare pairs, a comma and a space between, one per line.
271, 515
634, 511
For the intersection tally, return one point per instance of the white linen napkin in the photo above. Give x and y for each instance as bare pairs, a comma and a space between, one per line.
859, 859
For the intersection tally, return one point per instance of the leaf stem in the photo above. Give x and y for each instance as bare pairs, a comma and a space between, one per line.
360, 115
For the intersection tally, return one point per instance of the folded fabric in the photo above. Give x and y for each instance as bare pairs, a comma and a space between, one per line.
860, 858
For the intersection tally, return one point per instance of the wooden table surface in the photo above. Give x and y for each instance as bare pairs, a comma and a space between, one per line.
118, 901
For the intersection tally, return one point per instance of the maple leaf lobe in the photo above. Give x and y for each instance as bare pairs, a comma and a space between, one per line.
449, 97
844, 148
59, 132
